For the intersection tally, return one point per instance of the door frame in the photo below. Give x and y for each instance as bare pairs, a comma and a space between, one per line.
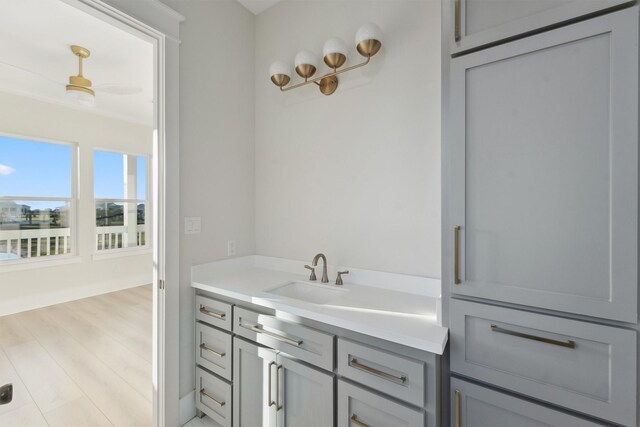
155, 22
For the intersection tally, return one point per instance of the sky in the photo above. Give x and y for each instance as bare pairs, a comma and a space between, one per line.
37, 169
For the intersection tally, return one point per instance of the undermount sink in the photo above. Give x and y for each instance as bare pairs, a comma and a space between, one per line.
309, 292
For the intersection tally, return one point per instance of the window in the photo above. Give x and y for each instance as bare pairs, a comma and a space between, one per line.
37, 198
120, 191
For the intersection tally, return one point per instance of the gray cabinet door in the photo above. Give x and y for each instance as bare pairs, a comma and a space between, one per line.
254, 371
475, 23
305, 395
359, 407
544, 185
475, 406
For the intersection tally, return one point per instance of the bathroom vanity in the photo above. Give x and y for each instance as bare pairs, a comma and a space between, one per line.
274, 348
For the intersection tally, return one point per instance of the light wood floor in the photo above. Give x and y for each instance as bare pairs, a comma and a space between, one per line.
85, 363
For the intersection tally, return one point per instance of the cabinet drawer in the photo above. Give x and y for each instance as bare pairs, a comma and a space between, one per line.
307, 344
583, 366
475, 23
213, 350
214, 312
358, 407
398, 376
473, 405
213, 397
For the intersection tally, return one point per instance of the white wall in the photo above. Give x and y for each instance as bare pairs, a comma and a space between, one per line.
37, 287
355, 175
216, 144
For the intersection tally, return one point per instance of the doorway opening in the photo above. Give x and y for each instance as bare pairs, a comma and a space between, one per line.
81, 192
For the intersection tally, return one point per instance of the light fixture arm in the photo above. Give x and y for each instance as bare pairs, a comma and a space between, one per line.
319, 78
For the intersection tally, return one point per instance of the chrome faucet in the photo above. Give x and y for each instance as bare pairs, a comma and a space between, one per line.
314, 263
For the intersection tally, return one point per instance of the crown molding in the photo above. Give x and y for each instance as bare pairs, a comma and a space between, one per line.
153, 13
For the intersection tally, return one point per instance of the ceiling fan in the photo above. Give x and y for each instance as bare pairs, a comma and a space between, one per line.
79, 87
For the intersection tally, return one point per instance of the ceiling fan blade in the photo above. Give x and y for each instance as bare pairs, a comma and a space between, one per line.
117, 89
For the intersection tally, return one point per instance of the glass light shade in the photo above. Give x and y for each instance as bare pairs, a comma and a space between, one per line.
368, 39
279, 67
334, 45
304, 57
334, 52
306, 64
81, 95
368, 31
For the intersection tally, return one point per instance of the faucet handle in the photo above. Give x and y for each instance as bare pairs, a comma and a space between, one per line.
312, 277
339, 278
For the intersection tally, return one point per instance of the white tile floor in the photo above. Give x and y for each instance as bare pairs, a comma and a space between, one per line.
86, 363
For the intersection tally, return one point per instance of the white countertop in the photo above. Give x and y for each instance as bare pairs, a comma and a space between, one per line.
409, 316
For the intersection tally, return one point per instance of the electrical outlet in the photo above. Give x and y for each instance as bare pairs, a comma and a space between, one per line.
231, 247
192, 225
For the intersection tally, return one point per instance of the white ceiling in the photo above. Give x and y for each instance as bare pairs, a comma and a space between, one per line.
258, 6
35, 35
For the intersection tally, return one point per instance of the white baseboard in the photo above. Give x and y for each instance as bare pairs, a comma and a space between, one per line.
39, 300
187, 407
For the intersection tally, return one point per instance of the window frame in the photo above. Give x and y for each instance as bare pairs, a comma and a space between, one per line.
73, 255
98, 254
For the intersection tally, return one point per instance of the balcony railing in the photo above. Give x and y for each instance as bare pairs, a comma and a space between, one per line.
16, 244
117, 236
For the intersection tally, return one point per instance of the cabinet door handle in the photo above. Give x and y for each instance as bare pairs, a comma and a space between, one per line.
456, 24
566, 344
220, 316
456, 254
456, 409
260, 330
270, 401
278, 404
203, 346
353, 362
213, 399
354, 419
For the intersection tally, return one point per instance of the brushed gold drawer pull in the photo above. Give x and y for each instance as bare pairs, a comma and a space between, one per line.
356, 421
353, 362
456, 409
213, 399
278, 404
566, 344
270, 401
203, 346
220, 316
260, 330
456, 255
457, 18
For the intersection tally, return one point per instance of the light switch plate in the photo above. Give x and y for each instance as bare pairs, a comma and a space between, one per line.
192, 225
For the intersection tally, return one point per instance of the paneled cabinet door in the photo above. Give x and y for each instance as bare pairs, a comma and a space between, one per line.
362, 408
305, 395
475, 23
473, 405
254, 390
544, 170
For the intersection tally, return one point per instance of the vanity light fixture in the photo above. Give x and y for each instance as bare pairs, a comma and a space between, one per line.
334, 52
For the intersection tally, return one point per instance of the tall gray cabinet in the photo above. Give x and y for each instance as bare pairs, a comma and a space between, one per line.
540, 224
